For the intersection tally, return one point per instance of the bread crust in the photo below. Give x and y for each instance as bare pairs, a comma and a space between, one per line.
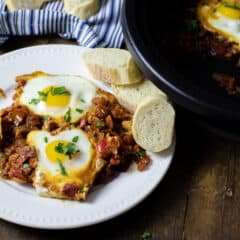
114, 66
131, 95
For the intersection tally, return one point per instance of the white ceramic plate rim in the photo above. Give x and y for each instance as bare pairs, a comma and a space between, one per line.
20, 205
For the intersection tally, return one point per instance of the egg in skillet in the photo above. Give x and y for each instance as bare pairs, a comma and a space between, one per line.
221, 17
67, 164
59, 96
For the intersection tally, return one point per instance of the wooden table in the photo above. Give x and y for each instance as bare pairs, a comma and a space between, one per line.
198, 199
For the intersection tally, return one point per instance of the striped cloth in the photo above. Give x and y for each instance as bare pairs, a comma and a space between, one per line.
100, 30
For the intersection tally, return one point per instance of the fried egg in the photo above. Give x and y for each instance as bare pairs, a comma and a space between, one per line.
64, 160
59, 96
221, 17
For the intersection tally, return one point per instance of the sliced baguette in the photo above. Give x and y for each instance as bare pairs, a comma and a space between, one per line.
81, 8
131, 95
24, 4
153, 124
111, 65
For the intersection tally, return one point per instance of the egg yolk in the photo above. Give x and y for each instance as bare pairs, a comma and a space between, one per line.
57, 99
229, 12
52, 154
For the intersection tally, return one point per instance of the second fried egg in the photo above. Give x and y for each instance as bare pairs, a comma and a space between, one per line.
68, 158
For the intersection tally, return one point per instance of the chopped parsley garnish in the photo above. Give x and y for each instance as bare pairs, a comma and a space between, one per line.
100, 124
230, 5
82, 100
59, 91
75, 139
25, 165
146, 235
45, 140
82, 190
69, 149
141, 154
46, 118
43, 95
67, 116
79, 110
2, 154
62, 168
34, 101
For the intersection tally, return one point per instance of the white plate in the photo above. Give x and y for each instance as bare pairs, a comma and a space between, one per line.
21, 205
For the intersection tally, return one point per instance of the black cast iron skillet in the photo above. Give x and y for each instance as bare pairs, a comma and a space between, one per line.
188, 83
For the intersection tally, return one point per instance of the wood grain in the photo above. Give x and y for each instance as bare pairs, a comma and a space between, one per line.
199, 198
206, 195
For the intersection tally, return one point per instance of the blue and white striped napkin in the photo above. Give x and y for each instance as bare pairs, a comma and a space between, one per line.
101, 30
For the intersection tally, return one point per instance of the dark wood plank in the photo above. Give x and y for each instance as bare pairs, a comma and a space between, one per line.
204, 218
21, 42
231, 221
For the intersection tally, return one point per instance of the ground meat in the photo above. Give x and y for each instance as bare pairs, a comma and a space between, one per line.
228, 82
18, 160
109, 125
206, 43
70, 189
21, 162
143, 162
17, 122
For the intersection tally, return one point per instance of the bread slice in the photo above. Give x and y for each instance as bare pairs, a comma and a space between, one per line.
81, 8
131, 95
153, 124
24, 4
112, 65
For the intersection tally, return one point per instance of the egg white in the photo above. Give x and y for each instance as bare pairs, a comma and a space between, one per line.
81, 94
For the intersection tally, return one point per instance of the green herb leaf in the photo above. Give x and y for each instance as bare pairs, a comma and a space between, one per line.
231, 5
2, 154
59, 148
141, 154
34, 101
75, 139
62, 168
100, 124
79, 110
46, 140
82, 190
82, 100
146, 235
59, 91
69, 149
67, 116
25, 165
43, 95
46, 118
191, 25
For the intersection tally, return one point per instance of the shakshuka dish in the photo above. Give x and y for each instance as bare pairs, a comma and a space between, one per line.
63, 135
211, 29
